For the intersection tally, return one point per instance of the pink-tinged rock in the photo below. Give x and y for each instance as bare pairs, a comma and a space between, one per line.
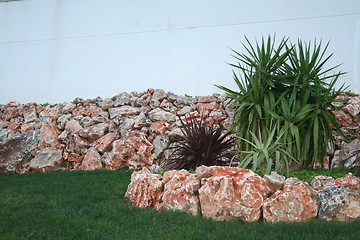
51, 112
144, 100
232, 193
106, 103
10, 112
160, 127
14, 126
123, 111
134, 149
92, 160
145, 190
166, 105
81, 142
158, 95
140, 121
112, 161
339, 203
348, 181
25, 127
91, 111
49, 134
180, 192
159, 114
353, 107
320, 182
30, 114
347, 155
209, 121
205, 108
4, 124
205, 99
12, 104
46, 158
74, 157
297, 202
94, 132
218, 115
175, 134
103, 144
343, 118
68, 107
73, 126
274, 181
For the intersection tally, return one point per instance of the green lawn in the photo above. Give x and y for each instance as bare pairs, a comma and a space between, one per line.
91, 205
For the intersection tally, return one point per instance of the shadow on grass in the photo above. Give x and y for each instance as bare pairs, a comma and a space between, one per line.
91, 205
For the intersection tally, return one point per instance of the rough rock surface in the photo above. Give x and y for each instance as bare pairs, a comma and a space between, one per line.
145, 189
46, 158
274, 181
180, 192
232, 193
339, 203
296, 202
348, 181
347, 156
319, 182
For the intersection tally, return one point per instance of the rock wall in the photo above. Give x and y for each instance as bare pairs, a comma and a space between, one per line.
228, 193
130, 130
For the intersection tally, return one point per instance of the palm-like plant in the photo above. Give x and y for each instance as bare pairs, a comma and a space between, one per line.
287, 85
202, 145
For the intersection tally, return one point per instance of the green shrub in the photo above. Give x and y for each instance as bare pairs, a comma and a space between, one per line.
286, 87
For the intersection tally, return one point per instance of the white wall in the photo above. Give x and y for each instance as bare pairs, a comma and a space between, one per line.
57, 50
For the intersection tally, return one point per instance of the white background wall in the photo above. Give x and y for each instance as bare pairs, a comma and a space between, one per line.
57, 50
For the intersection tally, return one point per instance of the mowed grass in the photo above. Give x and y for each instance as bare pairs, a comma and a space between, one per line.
91, 205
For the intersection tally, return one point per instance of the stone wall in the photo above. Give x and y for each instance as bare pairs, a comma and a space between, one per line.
130, 130
228, 193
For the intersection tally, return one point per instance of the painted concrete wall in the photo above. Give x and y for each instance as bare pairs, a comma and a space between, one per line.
57, 50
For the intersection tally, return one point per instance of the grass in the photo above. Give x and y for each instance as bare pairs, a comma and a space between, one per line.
91, 205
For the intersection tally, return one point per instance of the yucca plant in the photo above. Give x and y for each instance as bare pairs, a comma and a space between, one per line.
266, 154
288, 85
202, 145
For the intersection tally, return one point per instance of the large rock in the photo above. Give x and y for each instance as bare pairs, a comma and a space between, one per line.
145, 189
45, 159
320, 182
123, 111
134, 149
232, 193
49, 134
297, 202
348, 181
103, 144
274, 181
159, 114
92, 160
94, 132
353, 106
15, 152
180, 192
339, 203
347, 156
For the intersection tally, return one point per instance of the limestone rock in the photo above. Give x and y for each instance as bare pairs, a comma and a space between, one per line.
73, 126
92, 160
232, 193
123, 111
103, 144
160, 144
297, 202
46, 158
49, 134
15, 152
121, 99
342, 118
126, 126
160, 127
319, 182
339, 203
158, 95
145, 189
159, 114
180, 192
134, 149
353, 106
94, 132
348, 181
274, 181
30, 114
347, 155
